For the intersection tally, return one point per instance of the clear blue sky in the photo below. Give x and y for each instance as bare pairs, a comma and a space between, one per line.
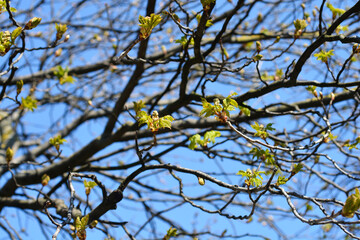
190, 218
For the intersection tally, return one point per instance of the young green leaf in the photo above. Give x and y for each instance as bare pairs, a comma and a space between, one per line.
84, 221
90, 184
93, 224
17, 31
138, 106
165, 122
245, 111
352, 204
257, 57
194, 140
281, 180
208, 22
208, 109
209, 136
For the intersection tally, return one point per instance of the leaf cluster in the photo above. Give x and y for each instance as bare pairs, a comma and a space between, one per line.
57, 141
281, 180
80, 226
147, 24
261, 130
324, 56
7, 39
63, 75
354, 144
28, 103
296, 168
184, 41
221, 111
300, 24
253, 177
171, 232
263, 155
153, 121
209, 136
3, 7
335, 11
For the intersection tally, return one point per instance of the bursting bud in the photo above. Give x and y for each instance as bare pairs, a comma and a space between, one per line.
9, 155
32, 23
60, 30
19, 85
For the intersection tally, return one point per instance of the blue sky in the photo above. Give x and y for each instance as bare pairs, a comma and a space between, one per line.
48, 119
